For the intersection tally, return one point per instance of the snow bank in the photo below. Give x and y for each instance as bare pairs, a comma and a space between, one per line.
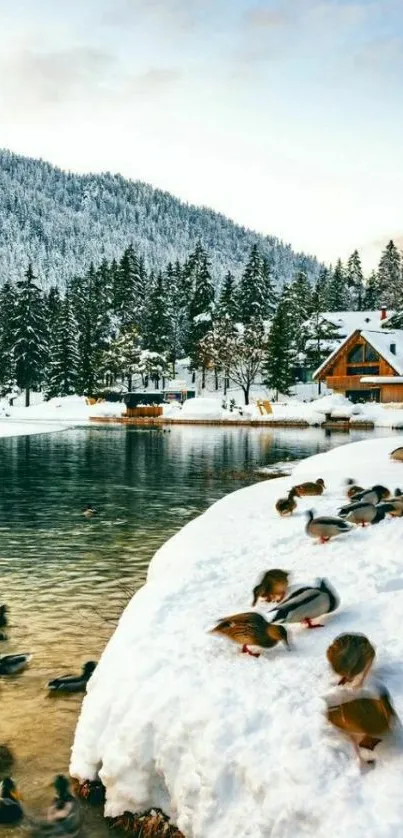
15, 428
202, 408
70, 409
231, 745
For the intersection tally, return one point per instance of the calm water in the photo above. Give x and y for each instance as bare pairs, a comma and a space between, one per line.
66, 579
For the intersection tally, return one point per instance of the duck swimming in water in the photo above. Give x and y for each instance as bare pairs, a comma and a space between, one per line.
351, 656
63, 816
251, 631
73, 683
272, 586
326, 527
12, 664
3, 616
89, 511
306, 604
11, 811
6, 759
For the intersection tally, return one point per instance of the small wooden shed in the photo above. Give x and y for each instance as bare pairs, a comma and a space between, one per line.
367, 366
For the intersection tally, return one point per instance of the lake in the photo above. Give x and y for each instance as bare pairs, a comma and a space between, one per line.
66, 579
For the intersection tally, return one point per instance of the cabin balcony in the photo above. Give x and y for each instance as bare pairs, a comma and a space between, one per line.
345, 382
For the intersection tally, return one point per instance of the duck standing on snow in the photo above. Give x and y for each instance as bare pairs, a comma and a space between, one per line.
73, 683
353, 488
397, 454
11, 811
306, 604
374, 495
365, 719
63, 816
286, 506
325, 527
308, 488
272, 586
12, 664
251, 631
364, 513
351, 656
89, 510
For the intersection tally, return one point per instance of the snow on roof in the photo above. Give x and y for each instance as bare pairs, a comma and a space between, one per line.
231, 745
381, 341
349, 321
382, 379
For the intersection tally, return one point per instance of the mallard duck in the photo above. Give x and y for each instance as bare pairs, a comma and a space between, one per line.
308, 488
3, 616
272, 586
325, 527
89, 510
11, 664
397, 454
251, 630
351, 656
306, 604
6, 759
393, 507
3, 636
353, 488
63, 816
73, 683
364, 513
365, 719
11, 811
373, 495
286, 506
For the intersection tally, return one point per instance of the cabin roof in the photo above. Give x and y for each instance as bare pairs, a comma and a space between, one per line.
380, 341
347, 322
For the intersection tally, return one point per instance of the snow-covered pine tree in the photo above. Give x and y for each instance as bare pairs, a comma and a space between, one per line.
321, 334
94, 326
122, 358
372, 293
270, 293
126, 283
390, 277
29, 335
177, 307
63, 353
281, 353
227, 306
201, 306
355, 282
338, 295
157, 321
300, 301
8, 298
252, 289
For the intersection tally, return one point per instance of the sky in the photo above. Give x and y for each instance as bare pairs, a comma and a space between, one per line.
286, 115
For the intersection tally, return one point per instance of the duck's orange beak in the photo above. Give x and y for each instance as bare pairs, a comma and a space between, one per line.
16, 795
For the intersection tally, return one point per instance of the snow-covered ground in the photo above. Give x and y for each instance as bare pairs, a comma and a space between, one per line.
66, 409
21, 428
231, 745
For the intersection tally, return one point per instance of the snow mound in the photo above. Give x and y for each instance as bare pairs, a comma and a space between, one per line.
67, 409
202, 408
231, 745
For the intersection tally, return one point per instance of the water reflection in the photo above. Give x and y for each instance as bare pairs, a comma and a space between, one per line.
65, 577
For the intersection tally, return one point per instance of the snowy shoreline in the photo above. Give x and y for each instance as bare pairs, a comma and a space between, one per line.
231, 745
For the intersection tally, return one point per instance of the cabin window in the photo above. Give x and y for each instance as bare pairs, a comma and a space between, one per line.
365, 369
393, 348
356, 355
370, 354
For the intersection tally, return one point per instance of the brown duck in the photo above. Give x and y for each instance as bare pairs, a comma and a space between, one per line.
251, 630
286, 506
272, 587
351, 656
366, 720
353, 488
308, 488
397, 454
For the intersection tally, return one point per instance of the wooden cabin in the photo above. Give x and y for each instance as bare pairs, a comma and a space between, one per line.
366, 366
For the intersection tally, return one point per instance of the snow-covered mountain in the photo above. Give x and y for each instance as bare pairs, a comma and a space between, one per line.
62, 221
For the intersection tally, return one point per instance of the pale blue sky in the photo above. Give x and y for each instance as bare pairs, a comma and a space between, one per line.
286, 115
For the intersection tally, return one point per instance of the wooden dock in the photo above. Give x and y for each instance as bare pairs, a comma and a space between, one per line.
146, 422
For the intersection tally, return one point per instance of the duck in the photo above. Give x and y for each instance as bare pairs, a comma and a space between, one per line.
250, 630
6, 759
362, 512
11, 811
353, 488
3, 636
286, 506
316, 488
306, 604
73, 683
12, 664
89, 510
3, 616
272, 586
351, 656
393, 507
373, 495
325, 527
63, 816
397, 454
365, 719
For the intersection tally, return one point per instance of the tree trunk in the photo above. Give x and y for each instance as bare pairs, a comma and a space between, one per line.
156, 382
215, 378
27, 394
129, 383
203, 378
246, 393
193, 376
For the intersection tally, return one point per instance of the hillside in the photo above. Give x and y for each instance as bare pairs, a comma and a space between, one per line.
63, 221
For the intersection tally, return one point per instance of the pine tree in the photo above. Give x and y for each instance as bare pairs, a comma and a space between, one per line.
64, 358
338, 296
201, 305
129, 290
252, 290
29, 339
390, 277
8, 298
122, 357
93, 315
355, 282
281, 351
228, 301
270, 293
300, 301
157, 326
373, 293
177, 306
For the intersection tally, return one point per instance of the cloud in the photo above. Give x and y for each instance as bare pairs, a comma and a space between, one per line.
264, 18
153, 81
178, 14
